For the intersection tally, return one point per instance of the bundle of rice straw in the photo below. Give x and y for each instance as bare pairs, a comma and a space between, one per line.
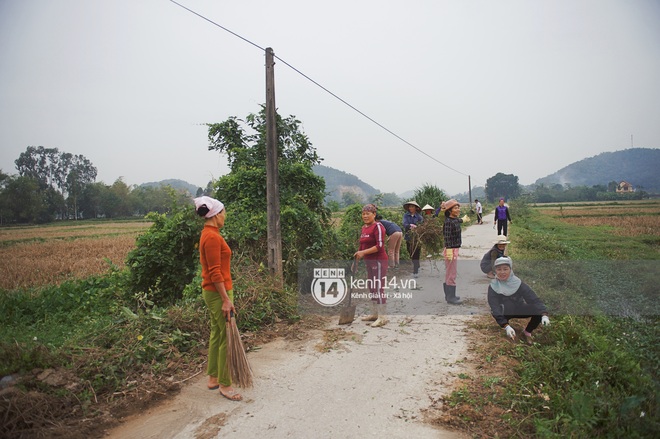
237, 361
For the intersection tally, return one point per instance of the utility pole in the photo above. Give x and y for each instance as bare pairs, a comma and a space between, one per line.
470, 191
272, 178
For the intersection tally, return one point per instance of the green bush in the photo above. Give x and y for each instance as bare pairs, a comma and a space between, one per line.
166, 256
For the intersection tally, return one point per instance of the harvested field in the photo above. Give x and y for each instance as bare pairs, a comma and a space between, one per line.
11, 235
625, 219
35, 256
600, 211
621, 226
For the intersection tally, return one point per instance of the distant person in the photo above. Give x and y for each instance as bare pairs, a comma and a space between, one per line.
394, 238
451, 231
428, 210
215, 258
501, 217
480, 211
488, 260
411, 219
372, 250
510, 298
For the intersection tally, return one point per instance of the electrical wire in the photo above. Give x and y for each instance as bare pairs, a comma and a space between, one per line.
321, 87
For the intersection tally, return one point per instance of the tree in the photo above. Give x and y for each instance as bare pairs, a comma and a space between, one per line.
429, 194
22, 201
63, 172
502, 185
116, 200
384, 199
91, 200
40, 164
349, 198
303, 217
80, 173
145, 199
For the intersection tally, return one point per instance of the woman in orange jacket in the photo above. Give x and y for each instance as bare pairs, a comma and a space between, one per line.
215, 257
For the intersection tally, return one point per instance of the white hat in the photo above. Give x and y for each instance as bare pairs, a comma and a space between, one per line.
504, 260
501, 239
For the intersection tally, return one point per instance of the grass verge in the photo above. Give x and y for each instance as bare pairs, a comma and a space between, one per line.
591, 374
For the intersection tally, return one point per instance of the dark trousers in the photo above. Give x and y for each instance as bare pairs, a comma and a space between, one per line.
525, 312
414, 249
479, 218
501, 227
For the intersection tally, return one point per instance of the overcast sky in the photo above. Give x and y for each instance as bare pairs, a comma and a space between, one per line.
519, 87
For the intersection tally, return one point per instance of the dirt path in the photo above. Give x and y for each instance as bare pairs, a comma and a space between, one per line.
373, 381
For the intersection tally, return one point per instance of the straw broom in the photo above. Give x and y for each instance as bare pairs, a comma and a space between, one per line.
237, 362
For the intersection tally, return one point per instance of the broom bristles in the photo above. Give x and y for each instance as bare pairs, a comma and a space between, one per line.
237, 362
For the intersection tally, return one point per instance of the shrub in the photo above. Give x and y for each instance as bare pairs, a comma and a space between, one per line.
166, 256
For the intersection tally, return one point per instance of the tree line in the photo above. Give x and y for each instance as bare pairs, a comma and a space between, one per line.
507, 186
54, 185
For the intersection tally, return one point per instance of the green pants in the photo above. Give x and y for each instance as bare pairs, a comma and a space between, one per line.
217, 363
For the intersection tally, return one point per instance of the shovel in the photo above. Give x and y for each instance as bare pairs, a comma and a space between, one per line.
347, 313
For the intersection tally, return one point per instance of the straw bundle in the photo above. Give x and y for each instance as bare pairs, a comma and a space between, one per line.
237, 361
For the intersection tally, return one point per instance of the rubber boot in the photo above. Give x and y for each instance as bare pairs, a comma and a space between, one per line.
374, 314
382, 318
444, 287
451, 295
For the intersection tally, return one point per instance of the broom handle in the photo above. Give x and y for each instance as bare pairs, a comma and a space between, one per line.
350, 289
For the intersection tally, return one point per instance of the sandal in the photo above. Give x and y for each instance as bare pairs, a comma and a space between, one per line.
231, 395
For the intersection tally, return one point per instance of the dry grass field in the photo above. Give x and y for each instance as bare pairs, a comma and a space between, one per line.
623, 219
43, 255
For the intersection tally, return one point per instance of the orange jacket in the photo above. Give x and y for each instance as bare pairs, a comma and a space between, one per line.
215, 256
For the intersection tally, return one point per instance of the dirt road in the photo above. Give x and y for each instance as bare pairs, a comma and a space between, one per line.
372, 382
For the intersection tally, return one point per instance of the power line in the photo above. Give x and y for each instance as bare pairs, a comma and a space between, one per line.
322, 87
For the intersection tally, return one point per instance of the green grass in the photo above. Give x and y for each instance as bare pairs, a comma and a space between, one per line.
597, 365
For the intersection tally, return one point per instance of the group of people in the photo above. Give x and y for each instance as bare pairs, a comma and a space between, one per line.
508, 296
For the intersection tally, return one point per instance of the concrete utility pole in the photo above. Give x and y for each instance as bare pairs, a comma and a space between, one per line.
470, 191
272, 175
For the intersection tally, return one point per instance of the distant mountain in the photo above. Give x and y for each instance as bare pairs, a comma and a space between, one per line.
638, 166
175, 184
337, 183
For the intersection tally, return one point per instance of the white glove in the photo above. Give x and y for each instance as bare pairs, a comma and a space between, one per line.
510, 332
466, 219
545, 321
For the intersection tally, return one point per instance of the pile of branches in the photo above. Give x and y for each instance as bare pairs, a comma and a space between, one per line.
429, 235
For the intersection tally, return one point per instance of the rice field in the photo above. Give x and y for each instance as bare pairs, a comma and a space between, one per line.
45, 255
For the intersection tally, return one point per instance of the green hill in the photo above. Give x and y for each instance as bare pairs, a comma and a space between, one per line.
175, 184
337, 183
638, 166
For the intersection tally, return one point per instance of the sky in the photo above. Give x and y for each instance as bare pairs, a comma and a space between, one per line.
476, 87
